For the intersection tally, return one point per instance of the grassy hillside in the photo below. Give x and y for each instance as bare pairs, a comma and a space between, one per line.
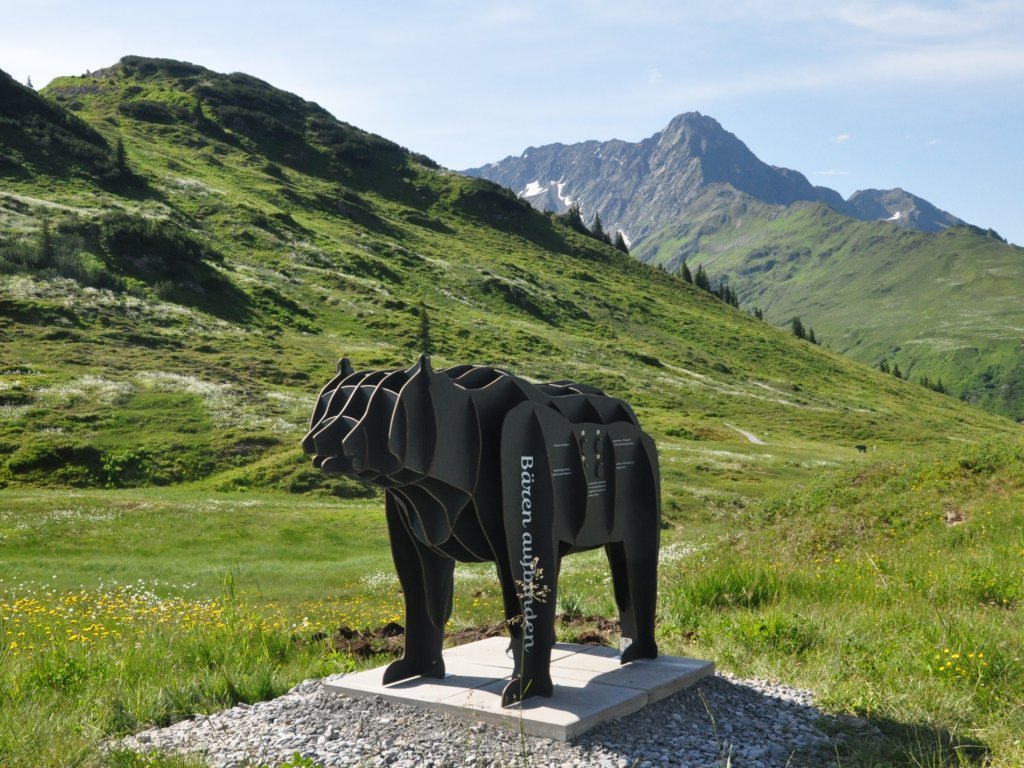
169, 312
38, 136
261, 239
942, 306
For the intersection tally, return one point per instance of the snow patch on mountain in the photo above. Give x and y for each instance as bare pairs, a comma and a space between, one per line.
533, 189
562, 196
547, 195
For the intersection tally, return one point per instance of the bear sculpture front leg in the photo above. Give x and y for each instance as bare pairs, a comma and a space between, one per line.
426, 578
531, 677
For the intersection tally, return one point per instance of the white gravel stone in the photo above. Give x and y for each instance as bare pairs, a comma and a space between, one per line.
750, 722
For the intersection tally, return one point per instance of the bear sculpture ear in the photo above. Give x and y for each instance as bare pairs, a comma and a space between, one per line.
345, 367
412, 435
423, 365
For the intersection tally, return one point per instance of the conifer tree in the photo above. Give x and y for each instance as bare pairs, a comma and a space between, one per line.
597, 229
620, 241
700, 279
121, 159
46, 243
728, 295
574, 218
883, 366
896, 371
810, 335
426, 345
724, 292
684, 272
798, 328
758, 313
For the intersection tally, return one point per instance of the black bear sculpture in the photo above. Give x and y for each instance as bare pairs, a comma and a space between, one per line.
480, 465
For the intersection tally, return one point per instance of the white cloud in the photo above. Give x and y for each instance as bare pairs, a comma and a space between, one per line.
933, 142
841, 138
504, 14
654, 76
865, 44
902, 19
697, 90
639, 13
942, 64
916, 20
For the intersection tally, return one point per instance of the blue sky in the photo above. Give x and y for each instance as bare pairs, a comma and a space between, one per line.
928, 96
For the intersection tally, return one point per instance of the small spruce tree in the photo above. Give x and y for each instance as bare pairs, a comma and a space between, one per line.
121, 159
426, 345
728, 295
700, 279
810, 335
896, 371
685, 273
46, 243
574, 218
620, 241
798, 328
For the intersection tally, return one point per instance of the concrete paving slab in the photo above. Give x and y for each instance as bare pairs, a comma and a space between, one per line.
492, 652
460, 677
575, 707
590, 685
660, 677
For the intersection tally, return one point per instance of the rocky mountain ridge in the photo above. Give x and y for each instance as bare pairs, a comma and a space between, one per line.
901, 207
639, 187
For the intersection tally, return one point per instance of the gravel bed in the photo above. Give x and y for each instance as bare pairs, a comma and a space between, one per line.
721, 721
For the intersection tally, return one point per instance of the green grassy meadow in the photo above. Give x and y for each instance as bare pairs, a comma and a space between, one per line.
890, 588
183, 258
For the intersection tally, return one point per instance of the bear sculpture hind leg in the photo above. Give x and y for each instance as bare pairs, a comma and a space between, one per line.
632, 575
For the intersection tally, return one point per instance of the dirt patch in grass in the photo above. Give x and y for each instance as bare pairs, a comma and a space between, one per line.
389, 639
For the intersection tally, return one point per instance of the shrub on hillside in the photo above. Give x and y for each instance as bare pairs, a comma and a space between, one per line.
152, 111
160, 242
56, 463
58, 252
